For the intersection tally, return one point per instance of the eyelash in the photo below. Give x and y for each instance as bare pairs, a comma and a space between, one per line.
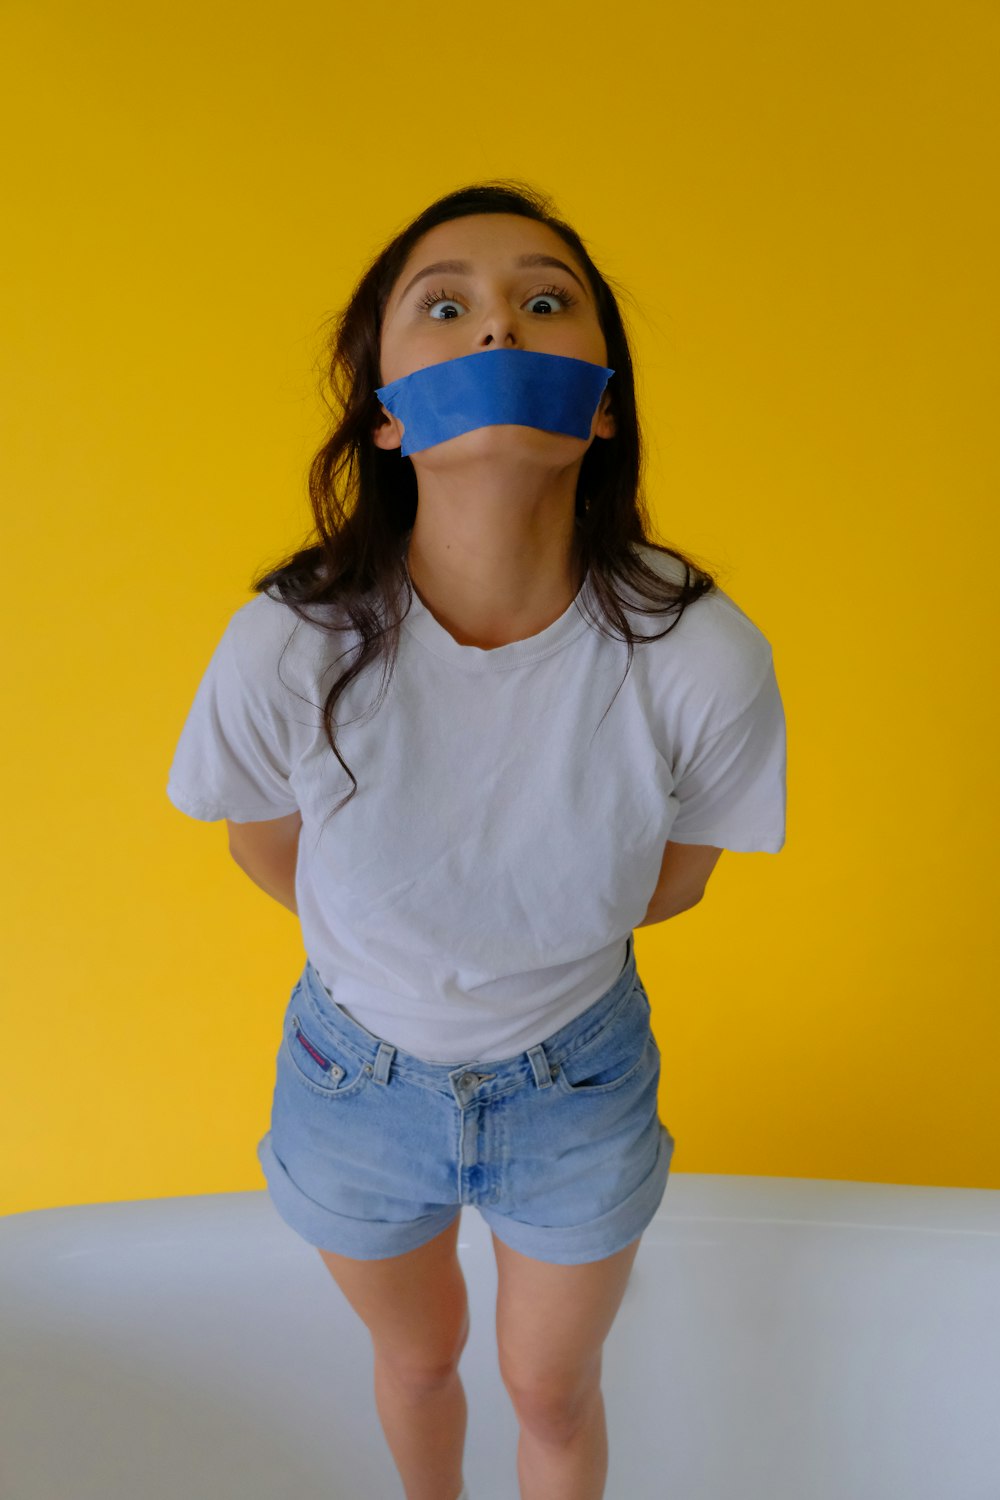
429, 300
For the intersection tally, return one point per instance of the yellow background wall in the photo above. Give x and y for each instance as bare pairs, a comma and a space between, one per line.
802, 206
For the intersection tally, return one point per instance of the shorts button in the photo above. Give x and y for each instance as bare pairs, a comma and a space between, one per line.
467, 1080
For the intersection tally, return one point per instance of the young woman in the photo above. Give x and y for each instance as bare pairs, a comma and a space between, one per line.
470, 1026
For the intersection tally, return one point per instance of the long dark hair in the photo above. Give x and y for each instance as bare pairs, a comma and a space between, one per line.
364, 498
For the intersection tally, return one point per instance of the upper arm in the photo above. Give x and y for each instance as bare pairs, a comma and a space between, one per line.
264, 837
684, 873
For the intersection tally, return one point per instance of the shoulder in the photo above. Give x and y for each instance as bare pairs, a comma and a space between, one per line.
262, 621
265, 630
272, 652
715, 659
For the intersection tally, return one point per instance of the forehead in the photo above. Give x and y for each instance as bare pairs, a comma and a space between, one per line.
506, 232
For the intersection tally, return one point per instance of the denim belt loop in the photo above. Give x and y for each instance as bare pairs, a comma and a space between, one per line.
383, 1062
540, 1066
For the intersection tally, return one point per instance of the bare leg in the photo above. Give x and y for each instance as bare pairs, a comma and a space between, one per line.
571, 1466
425, 1429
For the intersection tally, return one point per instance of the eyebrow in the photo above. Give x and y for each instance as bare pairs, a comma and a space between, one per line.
463, 268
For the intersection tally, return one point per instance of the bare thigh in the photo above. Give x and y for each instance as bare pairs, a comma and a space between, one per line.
415, 1306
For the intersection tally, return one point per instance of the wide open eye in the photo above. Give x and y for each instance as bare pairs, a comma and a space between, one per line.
430, 299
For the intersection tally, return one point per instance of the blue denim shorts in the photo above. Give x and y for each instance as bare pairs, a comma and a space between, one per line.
373, 1151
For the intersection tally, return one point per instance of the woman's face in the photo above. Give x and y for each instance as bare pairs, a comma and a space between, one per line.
436, 313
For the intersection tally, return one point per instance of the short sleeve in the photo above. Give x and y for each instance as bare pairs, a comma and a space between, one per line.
731, 786
233, 756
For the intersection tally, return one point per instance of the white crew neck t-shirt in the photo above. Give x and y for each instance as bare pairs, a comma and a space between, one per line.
478, 891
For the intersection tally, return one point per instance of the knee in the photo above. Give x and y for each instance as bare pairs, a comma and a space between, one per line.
424, 1371
553, 1408
416, 1377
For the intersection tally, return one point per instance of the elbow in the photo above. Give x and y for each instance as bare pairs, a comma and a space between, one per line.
662, 908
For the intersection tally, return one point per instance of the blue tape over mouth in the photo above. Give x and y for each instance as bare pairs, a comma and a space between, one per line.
553, 392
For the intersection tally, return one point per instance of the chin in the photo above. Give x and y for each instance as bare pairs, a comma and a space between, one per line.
504, 435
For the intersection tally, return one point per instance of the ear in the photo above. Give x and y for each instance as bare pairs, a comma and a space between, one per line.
389, 433
605, 424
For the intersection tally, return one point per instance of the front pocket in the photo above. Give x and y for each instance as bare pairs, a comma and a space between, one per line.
599, 1081
615, 1056
319, 1062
